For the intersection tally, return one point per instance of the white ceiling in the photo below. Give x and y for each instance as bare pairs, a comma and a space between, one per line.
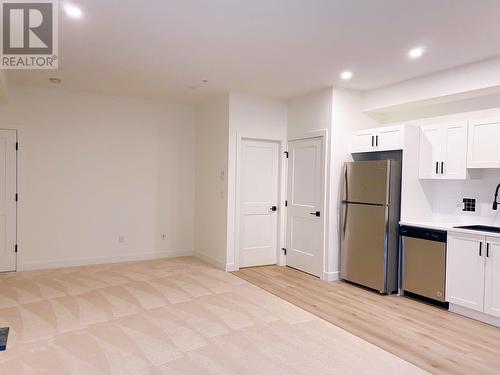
284, 48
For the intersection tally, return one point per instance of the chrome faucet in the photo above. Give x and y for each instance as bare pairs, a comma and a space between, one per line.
495, 203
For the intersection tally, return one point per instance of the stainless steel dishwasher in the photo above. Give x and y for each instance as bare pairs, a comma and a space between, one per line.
424, 262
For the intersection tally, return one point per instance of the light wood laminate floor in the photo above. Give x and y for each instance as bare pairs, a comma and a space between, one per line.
429, 337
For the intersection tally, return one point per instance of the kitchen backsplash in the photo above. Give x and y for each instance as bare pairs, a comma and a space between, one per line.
446, 197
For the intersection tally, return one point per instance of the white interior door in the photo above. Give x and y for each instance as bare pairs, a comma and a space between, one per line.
305, 205
259, 181
8, 183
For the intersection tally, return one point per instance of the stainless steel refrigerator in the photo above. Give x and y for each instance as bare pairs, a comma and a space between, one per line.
370, 211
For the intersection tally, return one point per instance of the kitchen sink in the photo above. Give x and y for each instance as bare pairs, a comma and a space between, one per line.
482, 228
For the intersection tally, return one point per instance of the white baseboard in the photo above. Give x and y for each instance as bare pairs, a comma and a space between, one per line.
331, 276
28, 266
211, 261
477, 315
231, 267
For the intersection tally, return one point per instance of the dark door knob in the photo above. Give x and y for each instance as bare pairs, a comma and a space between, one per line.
274, 208
317, 213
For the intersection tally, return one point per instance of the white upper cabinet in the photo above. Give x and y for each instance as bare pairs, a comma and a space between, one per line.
430, 151
390, 138
380, 139
454, 151
364, 140
443, 151
484, 143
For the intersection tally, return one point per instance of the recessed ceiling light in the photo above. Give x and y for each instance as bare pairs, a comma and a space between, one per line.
346, 75
73, 11
416, 52
55, 80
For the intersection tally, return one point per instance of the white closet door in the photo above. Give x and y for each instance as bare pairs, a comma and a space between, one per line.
259, 203
8, 185
305, 202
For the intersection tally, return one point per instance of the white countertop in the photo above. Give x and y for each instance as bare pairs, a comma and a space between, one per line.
449, 227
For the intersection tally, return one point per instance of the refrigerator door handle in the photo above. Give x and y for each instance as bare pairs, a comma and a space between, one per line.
346, 184
344, 219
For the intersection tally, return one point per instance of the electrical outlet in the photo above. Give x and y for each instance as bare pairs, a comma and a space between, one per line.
121, 238
163, 237
469, 204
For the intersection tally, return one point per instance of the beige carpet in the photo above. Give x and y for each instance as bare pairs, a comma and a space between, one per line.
172, 316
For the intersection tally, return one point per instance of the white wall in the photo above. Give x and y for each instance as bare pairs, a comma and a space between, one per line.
347, 117
250, 116
446, 198
94, 167
483, 75
339, 113
3, 88
310, 113
211, 180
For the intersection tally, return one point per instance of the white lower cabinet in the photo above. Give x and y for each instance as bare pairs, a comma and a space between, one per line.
492, 277
473, 272
465, 258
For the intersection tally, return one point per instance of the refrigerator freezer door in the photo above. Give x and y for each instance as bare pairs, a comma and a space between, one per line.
363, 236
367, 182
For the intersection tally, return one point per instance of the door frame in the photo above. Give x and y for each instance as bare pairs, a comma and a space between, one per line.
323, 134
16, 234
282, 169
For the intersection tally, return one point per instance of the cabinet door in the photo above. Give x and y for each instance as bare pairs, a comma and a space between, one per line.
364, 140
454, 151
430, 151
390, 138
465, 259
484, 144
492, 277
